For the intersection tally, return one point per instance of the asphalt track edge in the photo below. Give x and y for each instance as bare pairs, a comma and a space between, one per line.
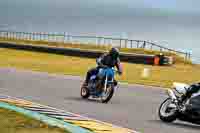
91, 119
48, 120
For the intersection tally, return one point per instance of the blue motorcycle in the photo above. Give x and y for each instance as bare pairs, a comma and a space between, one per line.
101, 86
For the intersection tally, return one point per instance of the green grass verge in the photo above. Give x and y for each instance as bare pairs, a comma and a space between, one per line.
59, 64
178, 58
13, 122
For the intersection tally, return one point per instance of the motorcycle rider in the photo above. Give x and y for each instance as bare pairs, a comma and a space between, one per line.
111, 59
193, 95
194, 88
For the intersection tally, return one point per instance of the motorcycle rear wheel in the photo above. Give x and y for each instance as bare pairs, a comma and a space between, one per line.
85, 92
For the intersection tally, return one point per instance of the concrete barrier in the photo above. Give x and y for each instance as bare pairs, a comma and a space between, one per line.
126, 57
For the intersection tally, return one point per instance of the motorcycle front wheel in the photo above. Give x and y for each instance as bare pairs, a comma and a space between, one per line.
167, 113
107, 94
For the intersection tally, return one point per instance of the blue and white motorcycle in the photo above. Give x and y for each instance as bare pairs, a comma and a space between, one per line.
101, 86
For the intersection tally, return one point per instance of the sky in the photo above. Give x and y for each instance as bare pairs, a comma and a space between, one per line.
173, 21
176, 6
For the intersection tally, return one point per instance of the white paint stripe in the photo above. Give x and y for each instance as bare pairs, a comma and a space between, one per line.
65, 117
81, 116
41, 109
57, 114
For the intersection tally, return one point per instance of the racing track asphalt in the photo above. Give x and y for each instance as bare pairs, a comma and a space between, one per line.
133, 106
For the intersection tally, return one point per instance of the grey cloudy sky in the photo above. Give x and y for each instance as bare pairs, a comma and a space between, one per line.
175, 6
174, 21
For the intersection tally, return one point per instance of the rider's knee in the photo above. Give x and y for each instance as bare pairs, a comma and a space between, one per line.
89, 72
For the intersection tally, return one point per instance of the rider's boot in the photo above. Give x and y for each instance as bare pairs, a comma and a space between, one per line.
115, 82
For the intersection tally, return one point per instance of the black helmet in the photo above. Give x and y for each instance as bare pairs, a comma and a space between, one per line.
114, 52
